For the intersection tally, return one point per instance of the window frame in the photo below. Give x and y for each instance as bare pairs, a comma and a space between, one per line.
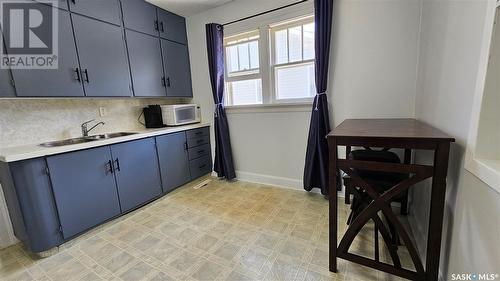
242, 75
272, 63
302, 15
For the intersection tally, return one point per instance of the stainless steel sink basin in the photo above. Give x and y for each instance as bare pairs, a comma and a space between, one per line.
86, 139
110, 136
66, 142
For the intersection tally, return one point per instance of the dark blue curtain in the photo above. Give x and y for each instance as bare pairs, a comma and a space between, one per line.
316, 166
223, 154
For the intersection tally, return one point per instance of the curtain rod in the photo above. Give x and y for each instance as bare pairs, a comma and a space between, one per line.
266, 12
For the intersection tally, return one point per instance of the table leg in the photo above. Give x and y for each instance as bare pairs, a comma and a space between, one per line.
333, 203
438, 195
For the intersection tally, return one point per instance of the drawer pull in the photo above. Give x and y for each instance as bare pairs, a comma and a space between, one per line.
199, 133
201, 151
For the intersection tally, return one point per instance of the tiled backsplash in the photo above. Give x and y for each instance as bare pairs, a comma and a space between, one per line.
30, 121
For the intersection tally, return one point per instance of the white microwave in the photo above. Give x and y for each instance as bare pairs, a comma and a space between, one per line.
180, 114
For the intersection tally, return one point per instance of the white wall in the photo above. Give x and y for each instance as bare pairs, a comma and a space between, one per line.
448, 66
373, 74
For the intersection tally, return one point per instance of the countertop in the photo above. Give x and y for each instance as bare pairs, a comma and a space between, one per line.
18, 153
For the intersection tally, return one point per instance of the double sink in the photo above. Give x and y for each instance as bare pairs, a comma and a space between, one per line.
86, 139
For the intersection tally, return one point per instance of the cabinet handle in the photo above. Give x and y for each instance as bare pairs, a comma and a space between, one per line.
156, 26
86, 75
161, 27
109, 167
201, 151
198, 133
118, 165
78, 77
163, 81
168, 82
185, 146
74, 1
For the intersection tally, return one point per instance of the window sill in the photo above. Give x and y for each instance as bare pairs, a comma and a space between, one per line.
487, 170
270, 108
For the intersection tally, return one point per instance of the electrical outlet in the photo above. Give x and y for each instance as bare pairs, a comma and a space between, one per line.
102, 112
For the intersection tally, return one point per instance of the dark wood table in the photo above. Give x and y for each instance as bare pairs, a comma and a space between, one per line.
390, 133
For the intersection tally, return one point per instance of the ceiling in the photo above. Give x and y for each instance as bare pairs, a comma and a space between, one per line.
188, 7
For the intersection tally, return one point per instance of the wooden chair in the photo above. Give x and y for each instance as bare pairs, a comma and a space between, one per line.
383, 181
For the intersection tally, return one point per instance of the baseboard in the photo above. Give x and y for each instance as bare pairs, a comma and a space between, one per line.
282, 182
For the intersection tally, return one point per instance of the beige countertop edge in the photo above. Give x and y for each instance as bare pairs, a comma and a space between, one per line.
18, 153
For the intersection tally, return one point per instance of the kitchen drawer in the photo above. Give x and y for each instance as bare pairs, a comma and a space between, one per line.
200, 167
198, 132
197, 152
197, 141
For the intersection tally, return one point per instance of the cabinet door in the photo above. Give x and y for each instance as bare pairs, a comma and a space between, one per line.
84, 189
137, 173
139, 15
61, 4
177, 69
38, 213
6, 87
105, 10
172, 26
173, 157
145, 64
103, 58
61, 82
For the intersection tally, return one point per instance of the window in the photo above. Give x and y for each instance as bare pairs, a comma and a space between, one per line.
274, 64
293, 60
244, 82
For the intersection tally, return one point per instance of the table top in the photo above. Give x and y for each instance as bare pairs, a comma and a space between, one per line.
389, 128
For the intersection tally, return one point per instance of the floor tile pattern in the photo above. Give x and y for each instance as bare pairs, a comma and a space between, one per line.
223, 231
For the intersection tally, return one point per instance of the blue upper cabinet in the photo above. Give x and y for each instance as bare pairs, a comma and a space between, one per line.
177, 69
172, 27
140, 16
65, 81
61, 4
84, 189
103, 58
6, 82
136, 172
105, 10
145, 64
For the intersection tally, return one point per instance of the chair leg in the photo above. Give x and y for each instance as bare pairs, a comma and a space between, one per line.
348, 190
404, 205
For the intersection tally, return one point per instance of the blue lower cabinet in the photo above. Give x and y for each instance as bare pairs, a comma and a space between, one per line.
28, 193
200, 166
84, 189
173, 158
53, 199
136, 172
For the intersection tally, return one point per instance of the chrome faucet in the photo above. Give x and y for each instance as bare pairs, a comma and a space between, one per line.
86, 130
